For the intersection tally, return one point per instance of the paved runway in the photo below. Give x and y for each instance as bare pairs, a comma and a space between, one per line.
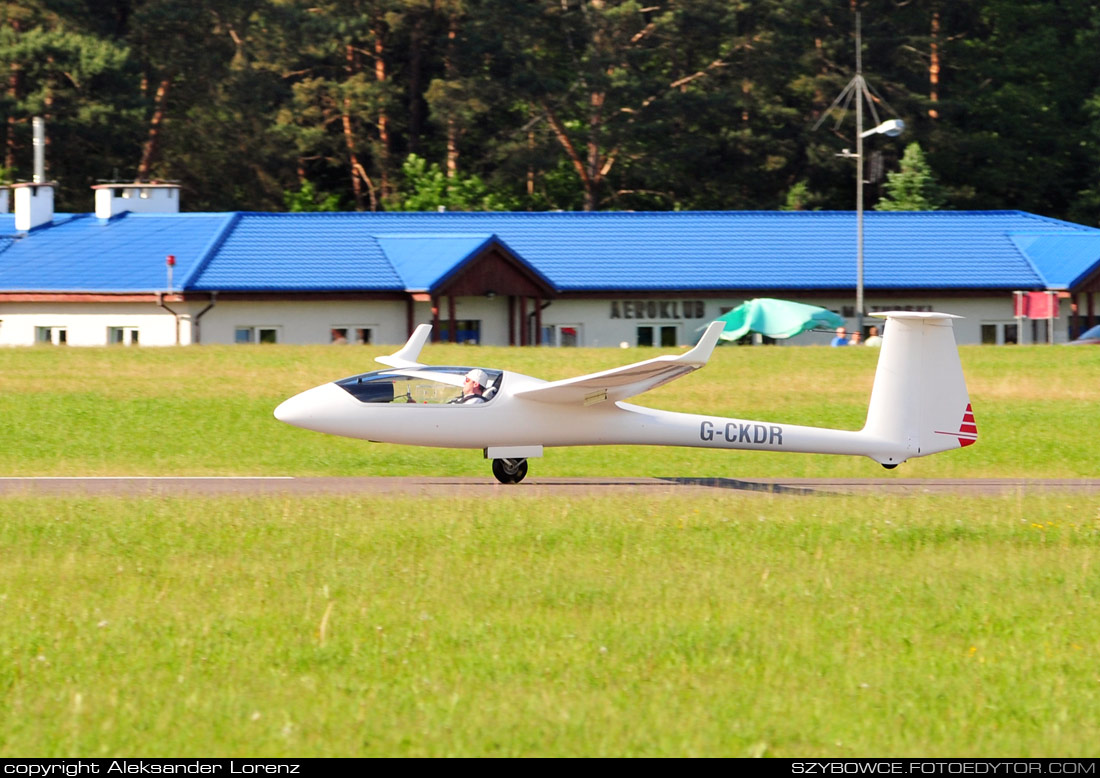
129, 486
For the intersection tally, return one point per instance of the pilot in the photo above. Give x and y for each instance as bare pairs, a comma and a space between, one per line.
473, 387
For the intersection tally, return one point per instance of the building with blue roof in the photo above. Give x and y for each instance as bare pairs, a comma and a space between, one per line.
594, 279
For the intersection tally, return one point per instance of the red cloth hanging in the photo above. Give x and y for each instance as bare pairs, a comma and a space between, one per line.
1036, 305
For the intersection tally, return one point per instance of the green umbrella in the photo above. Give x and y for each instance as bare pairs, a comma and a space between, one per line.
776, 318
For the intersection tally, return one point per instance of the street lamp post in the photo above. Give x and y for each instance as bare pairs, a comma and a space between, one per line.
858, 89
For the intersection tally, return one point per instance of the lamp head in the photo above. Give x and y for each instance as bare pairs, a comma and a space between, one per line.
891, 128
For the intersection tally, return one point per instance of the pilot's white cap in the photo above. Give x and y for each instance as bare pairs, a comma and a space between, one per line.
478, 376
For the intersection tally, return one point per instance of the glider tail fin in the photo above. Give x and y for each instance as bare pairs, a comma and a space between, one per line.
919, 403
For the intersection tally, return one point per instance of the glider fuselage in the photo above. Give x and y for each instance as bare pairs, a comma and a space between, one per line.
507, 420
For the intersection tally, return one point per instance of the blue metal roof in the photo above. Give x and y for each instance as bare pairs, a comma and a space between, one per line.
1061, 260
125, 254
422, 261
289, 251
742, 250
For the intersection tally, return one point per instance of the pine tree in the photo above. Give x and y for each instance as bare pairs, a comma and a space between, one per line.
914, 187
427, 188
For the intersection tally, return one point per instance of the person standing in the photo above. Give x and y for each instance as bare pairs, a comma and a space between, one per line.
841, 338
873, 338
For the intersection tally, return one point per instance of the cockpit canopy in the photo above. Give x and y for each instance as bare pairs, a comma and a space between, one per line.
420, 385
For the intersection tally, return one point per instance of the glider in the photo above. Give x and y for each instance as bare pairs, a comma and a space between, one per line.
919, 405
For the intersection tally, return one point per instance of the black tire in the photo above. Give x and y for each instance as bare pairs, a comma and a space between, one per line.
510, 471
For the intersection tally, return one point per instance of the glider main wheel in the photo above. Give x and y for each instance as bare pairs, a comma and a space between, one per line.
891, 466
510, 471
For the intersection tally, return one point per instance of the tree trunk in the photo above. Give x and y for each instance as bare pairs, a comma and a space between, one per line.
595, 125
530, 163
354, 166
152, 141
15, 77
416, 65
452, 124
15, 80
384, 139
571, 152
934, 66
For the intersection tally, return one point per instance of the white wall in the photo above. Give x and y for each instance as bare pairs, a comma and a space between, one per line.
305, 322
309, 322
113, 199
599, 328
86, 324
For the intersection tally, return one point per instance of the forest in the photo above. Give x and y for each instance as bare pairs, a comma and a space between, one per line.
273, 105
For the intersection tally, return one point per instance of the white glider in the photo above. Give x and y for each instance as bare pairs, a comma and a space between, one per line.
919, 405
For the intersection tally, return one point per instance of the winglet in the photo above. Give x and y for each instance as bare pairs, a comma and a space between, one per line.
703, 349
407, 355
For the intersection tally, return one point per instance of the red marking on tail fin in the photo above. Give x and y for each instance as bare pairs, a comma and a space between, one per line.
968, 430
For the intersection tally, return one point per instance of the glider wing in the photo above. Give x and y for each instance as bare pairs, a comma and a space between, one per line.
622, 382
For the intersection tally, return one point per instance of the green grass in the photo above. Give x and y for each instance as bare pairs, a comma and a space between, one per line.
207, 410
733, 625
719, 624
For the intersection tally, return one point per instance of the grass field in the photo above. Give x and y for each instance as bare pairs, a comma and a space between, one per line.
734, 625
197, 411
724, 624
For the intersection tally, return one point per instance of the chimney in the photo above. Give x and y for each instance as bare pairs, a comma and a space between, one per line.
115, 198
34, 201
5, 199
33, 205
39, 125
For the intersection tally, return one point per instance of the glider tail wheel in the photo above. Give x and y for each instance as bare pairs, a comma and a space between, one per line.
510, 471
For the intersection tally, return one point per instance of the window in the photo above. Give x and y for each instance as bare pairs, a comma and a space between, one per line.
360, 336
469, 331
125, 336
57, 336
659, 334
256, 335
1041, 331
994, 334
564, 335
420, 386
